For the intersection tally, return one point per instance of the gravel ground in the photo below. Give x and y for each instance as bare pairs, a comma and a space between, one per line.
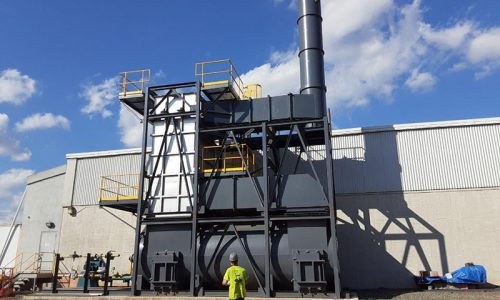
433, 294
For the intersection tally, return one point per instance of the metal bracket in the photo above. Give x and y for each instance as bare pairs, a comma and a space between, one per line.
163, 275
309, 271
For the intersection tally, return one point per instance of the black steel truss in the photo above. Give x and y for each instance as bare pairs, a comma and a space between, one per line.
300, 133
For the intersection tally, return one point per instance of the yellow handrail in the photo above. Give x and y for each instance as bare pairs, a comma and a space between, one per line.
225, 73
119, 187
134, 82
230, 159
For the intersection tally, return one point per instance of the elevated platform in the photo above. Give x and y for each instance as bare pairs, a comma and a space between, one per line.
119, 192
135, 101
220, 90
132, 89
125, 205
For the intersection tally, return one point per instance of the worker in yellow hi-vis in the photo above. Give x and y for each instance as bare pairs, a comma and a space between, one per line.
236, 278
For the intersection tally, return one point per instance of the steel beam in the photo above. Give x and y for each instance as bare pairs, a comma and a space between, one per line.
249, 257
309, 160
332, 207
246, 168
265, 191
183, 167
194, 225
258, 125
135, 291
217, 247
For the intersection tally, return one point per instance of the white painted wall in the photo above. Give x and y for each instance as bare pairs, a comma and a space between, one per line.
170, 192
11, 252
386, 238
42, 204
97, 230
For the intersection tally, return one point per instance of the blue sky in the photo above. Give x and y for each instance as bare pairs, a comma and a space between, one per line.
387, 62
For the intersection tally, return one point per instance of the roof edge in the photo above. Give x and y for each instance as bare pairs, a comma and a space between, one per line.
46, 174
104, 153
417, 126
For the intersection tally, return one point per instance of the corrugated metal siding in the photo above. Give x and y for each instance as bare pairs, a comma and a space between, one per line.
418, 160
90, 170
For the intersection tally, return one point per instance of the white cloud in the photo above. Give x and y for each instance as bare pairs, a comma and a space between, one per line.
362, 59
99, 97
12, 184
281, 74
460, 66
420, 82
130, 127
484, 51
9, 145
15, 87
42, 121
372, 48
447, 38
485, 46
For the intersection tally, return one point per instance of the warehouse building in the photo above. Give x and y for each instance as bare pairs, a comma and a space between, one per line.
409, 197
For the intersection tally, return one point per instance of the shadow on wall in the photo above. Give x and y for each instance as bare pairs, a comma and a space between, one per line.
379, 235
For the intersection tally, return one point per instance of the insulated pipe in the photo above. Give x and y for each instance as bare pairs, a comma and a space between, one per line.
312, 66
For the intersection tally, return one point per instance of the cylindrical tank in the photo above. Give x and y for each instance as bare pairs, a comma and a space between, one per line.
312, 67
284, 240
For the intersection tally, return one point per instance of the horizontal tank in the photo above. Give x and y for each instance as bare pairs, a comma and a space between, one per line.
171, 243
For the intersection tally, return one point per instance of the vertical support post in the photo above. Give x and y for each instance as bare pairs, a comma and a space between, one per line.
145, 120
265, 190
332, 207
56, 274
86, 275
194, 220
106, 273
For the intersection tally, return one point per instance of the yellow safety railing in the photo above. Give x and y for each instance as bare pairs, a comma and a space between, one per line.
28, 262
134, 82
119, 187
230, 161
252, 91
219, 72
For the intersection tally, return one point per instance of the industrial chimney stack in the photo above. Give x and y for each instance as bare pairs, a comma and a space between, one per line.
312, 67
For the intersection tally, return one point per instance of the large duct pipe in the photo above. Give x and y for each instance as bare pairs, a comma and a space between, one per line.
312, 66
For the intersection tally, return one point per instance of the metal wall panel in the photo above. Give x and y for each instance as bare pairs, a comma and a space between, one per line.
460, 157
171, 188
89, 171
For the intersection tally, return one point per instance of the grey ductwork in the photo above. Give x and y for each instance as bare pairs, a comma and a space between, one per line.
312, 67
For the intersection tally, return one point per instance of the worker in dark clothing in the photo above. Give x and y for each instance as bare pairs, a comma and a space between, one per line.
236, 278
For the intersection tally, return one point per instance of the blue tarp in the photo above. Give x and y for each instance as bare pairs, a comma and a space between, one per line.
468, 274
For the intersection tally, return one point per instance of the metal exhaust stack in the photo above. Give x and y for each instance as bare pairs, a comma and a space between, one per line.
312, 66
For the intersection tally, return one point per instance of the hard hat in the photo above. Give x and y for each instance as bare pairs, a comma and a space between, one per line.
233, 257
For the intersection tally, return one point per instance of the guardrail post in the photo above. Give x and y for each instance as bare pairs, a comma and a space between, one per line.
56, 274
86, 275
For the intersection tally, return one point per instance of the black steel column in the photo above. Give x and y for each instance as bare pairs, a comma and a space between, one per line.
332, 207
56, 274
194, 220
265, 190
106, 274
86, 275
145, 120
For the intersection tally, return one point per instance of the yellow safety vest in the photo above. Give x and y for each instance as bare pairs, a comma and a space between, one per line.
237, 277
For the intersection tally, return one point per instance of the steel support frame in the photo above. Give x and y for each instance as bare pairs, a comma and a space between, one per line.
332, 207
136, 290
150, 115
193, 289
297, 127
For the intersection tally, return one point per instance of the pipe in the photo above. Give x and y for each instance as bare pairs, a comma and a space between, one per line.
12, 230
312, 66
